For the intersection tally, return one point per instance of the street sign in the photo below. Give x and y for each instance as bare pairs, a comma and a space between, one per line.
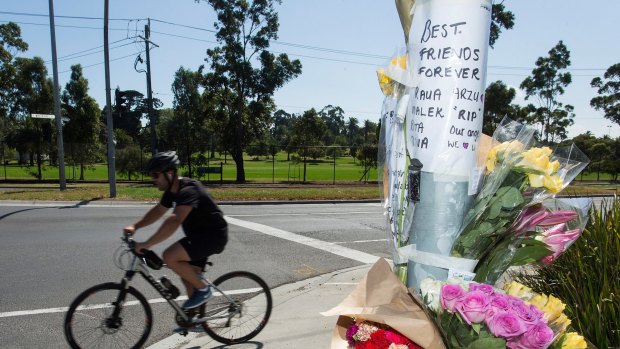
48, 116
43, 116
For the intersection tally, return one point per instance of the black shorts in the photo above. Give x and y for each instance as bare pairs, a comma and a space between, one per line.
199, 248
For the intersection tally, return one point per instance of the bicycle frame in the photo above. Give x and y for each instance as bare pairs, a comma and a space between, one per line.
138, 265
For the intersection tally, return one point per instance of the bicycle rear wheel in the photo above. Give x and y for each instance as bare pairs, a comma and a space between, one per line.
241, 319
91, 323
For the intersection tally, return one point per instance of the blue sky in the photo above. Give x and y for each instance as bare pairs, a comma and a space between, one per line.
339, 42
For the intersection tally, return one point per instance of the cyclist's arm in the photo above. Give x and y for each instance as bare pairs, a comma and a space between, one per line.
170, 225
151, 216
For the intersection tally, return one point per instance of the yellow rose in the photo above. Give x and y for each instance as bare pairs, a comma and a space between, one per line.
553, 309
499, 152
400, 61
561, 323
574, 341
537, 160
385, 82
554, 183
539, 301
518, 290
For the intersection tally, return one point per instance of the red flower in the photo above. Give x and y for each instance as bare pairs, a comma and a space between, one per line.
379, 340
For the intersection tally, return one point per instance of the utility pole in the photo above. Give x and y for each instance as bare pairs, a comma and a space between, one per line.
149, 92
108, 99
59, 140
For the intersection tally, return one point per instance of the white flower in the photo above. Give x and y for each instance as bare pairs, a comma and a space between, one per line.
431, 293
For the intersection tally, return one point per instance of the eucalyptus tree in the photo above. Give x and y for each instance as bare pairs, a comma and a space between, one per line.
608, 89
11, 42
546, 84
497, 104
189, 114
244, 74
81, 132
33, 94
307, 137
500, 18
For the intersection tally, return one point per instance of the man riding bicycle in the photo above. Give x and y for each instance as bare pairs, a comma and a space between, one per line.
206, 230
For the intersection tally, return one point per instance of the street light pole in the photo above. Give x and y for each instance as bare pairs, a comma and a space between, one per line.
59, 140
149, 92
108, 98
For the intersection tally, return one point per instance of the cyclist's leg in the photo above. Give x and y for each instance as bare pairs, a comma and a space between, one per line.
188, 287
177, 258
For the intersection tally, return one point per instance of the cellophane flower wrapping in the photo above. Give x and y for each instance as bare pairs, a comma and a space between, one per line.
392, 153
380, 298
540, 234
518, 175
476, 315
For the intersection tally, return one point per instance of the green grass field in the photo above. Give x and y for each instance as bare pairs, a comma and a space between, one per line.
263, 170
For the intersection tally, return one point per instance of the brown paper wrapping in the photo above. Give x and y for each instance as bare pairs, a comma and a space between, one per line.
381, 298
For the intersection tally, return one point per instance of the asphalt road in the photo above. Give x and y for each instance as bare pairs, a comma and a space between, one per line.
48, 255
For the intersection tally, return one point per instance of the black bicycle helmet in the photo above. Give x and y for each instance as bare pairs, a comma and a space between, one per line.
162, 161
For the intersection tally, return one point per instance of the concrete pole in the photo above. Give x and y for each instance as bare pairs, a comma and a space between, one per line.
108, 98
60, 143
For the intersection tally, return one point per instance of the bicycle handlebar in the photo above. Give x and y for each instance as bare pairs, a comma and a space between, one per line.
150, 257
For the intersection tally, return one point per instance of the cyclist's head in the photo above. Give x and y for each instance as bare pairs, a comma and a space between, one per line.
162, 162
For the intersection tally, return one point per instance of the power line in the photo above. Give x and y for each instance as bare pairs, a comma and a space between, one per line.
64, 25
100, 63
79, 53
70, 17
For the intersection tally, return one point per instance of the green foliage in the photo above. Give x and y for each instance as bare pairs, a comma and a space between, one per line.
497, 105
244, 75
500, 18
608, 99
587, 278
129, 161
547, 83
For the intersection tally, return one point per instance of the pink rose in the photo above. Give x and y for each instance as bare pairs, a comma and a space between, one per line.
473, 307
450, 296
539, 336
505, 325
499, 302
526, 313
484, 288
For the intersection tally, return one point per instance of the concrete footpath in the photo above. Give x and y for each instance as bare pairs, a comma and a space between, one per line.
295, 321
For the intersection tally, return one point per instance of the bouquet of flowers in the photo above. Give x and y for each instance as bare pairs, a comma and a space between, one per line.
518, 175
473, 315
371, 335
539, 235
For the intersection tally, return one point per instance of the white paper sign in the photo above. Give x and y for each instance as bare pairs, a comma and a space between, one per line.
448, 45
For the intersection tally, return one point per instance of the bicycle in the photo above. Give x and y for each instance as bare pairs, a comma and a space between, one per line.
116, 315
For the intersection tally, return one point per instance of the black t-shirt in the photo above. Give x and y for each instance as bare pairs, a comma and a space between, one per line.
206, 219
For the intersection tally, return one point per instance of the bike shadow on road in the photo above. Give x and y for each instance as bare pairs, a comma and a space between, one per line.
246, 345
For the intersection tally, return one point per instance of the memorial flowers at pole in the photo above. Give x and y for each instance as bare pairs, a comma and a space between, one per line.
539, 235
474, 315
517, 176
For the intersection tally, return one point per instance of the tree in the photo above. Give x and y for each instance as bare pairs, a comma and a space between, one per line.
334, 120
547, 83
33, 94
82, 129
10, 43
128, 110
243, 92
497, 104
608, 99
308, 133
353, 136
189, 113
128, 161
500, 18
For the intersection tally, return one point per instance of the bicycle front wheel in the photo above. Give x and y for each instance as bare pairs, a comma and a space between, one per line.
106, 316
240, 311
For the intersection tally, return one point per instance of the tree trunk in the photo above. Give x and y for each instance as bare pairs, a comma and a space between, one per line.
39, 175
81, 171
238, 151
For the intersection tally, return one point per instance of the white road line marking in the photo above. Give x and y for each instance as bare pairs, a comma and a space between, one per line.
359, 256
108, 305
357, 242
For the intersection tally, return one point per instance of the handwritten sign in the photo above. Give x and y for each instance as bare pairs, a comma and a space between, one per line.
448, 45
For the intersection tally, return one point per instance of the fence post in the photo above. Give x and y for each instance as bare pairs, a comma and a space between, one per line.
273, 164
334, 182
